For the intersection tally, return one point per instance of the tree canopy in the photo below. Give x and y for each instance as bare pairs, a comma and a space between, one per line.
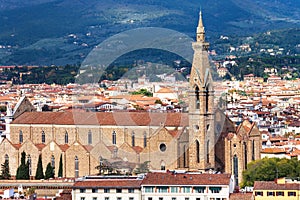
268, 169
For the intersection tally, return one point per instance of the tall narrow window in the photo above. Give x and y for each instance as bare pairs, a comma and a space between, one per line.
197, 151
76, 167
162, 165
53, 161
145, 139
253, 150
6, 158
43, 137
66, 137
206, 100
20, 137
197, 103
207, 151
184, 156
235, 169
114, 137
132, 139
245, 155
29, 165
90, 137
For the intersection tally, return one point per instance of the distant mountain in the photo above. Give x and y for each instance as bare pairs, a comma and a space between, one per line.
64, 31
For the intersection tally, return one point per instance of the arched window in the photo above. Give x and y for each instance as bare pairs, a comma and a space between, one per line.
184, 156
114, 137
66, 137
52, 161
235, 169
29, 165
76, 167
245, 154
197, 103
145, 139
6, 158
90, 137
162, 165
20, 136
197, 151
43, 137
132, 139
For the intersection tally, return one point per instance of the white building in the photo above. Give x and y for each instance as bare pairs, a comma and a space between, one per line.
186, 186
155, 186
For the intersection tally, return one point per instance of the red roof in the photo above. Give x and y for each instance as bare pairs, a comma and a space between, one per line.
103, 118
160, 178
271, 185
108, 183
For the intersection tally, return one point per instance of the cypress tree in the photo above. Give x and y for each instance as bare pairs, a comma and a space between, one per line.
5, 170
49, 171
60, 169
39, 170
23, 170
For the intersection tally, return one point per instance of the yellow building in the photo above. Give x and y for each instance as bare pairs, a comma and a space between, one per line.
280, 189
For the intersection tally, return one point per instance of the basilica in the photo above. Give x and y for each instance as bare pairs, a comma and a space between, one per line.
203, 139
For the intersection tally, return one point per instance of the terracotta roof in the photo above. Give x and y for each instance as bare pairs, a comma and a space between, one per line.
137, 149
273, 150
159, 178
63, 147
108, 183
103, 118
271, 185
241, 196
40, 146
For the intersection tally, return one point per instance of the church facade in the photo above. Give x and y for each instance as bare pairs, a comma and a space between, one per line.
200, 140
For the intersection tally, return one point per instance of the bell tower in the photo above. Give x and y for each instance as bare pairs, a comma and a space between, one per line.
201, 106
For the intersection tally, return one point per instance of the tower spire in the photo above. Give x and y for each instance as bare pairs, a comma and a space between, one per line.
200, 29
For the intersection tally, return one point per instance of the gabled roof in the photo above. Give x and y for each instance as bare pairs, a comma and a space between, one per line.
108, 183
271, 185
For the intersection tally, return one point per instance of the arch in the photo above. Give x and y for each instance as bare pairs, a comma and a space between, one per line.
6, 158
76, 166
43, 137
197, 151
162, 165
66, 137
133, 139
184, 156
114, 137
20, 136
90, 137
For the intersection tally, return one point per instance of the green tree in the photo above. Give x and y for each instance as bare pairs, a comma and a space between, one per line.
5, 170
49, 171
60, 168
142, 168
23, 169
39, 170
268, 169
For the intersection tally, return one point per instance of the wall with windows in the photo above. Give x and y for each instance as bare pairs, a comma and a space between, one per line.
201, 192
106, 194
276, 194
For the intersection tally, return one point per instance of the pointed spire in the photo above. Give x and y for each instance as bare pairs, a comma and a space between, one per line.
200, 29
